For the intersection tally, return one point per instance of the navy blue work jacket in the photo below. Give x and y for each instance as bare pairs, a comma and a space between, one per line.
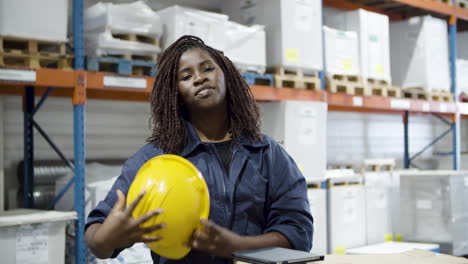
263, 192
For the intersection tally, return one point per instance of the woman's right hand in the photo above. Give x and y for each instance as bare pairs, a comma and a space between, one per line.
121, 230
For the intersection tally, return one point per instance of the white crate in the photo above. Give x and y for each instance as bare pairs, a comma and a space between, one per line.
293, 30
300, 127
246, 47
318, 208
434, 209
40, 20
346, 214
419, 48
341, 52
179, 21
373, 33
378, 206
33, 236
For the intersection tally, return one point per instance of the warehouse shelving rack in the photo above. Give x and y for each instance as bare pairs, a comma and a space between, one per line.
80, 85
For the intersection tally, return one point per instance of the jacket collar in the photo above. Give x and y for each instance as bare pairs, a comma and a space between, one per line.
193, 141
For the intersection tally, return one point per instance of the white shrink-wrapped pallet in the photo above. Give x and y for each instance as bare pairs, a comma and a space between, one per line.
293, 30
462, 76
39, 20
342, 52
139, 26
300, 127
179, 21
434, 209
131, 18
246, 47
374, 39
419, 48
378, 187
346, 212
317, 194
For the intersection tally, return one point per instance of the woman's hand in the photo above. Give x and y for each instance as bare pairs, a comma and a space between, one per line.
121, 230
215, 239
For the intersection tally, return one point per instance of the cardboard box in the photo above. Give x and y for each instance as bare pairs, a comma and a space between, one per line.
434, 209
293, 30
420, 55
246, 47
374, 39
33, 236
341, 52
318, 207
179, 21
40, 20
300, 127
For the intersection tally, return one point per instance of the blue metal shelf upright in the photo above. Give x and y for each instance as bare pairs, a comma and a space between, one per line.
79, 133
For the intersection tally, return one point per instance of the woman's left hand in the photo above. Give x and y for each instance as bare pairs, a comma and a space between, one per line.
215, 239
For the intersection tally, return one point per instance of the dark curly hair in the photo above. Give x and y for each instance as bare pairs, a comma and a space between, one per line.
167, 114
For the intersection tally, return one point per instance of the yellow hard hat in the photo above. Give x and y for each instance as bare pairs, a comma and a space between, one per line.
175, 185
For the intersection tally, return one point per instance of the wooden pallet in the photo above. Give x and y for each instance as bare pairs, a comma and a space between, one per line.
462, 3
295, 79
314, 185
31, 47
448, 2
382, 88
349, 84
344, 183
56, 61
394, 91
134, 57
376, 165
137, 38
420, 93
341, 166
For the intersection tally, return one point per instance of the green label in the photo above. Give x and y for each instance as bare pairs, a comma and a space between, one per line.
373, 38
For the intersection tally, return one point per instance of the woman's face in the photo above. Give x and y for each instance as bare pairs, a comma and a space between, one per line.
200, 80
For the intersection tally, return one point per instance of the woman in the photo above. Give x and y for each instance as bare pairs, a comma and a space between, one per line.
203, 110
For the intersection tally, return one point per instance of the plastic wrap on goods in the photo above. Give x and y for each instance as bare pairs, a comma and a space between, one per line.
102, 44
342, 52
39, 20
132, 18
246, 47
179, 21
420, 57
434, 208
